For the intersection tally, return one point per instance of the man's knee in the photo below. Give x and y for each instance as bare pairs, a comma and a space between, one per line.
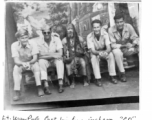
35, 67
111, 56
59, 62
42, 62
68, 69
83, 63
94, 59
17, 69
117, 52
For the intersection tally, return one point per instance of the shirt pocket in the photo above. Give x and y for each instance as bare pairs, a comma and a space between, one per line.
42, 48
53, 47
25, 54
126, 36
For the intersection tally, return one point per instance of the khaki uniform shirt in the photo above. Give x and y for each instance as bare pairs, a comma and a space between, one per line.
24, 54
54, 46
93, 43
128, 35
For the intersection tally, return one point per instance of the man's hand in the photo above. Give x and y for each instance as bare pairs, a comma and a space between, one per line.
103, 54
131, 49
26, 65
129, 45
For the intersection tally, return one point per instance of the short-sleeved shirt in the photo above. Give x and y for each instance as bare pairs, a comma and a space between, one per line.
128, 35
72, 47
100, 44
54, 46
24, 54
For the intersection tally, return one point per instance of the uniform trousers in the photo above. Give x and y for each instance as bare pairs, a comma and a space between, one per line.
17, 75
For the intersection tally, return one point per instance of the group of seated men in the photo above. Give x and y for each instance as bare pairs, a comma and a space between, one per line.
65, 53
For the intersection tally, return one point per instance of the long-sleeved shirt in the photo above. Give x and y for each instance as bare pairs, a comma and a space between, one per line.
128, 36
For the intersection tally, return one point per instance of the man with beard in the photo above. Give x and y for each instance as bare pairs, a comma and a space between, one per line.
74, 55
124, 42
99, 46
25, 54
50, 54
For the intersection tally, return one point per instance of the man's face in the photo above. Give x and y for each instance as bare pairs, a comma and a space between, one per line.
96, 28
119, 23
70, 33
24, 40
46, 34
60, 32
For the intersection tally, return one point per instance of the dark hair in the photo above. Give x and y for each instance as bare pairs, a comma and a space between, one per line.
96, 21
63, 28
118, 16
76, 37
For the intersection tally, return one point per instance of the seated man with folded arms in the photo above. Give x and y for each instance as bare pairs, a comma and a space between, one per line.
99, 45
50, 53
124, 42
74, 55
25, 54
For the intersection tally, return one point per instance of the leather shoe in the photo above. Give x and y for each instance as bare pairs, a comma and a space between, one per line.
113, 80
123, 77
47, 91
98, 82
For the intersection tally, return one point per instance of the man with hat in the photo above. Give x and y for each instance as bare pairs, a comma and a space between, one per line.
50, 53
25, 55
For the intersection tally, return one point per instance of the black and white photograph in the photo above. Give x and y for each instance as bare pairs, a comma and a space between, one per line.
72, 55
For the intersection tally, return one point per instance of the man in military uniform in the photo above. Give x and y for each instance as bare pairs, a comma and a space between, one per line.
124, 42
50, 53
99, 46
74, 55
25, 55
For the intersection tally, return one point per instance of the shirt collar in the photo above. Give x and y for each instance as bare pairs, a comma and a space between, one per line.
125, 29
44, 43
